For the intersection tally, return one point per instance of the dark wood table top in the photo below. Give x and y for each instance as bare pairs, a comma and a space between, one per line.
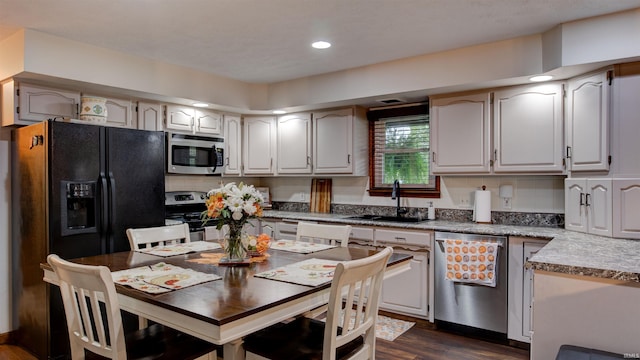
238, 294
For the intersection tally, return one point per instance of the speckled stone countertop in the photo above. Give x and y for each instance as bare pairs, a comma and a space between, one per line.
568, 252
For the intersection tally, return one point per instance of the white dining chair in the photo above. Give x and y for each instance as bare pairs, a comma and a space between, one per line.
141, 238
349, 330
330, 234
94, 320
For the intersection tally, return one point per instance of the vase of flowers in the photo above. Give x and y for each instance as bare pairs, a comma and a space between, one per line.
233, 206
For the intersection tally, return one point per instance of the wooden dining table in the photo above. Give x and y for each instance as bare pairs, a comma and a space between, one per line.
224, 311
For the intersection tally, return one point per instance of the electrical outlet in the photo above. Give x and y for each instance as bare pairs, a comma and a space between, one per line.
301, 196
506, 203
464, 203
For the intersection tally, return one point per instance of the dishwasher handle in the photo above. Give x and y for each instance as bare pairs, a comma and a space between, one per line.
498, 243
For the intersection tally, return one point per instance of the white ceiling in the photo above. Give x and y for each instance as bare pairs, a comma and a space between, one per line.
266, 41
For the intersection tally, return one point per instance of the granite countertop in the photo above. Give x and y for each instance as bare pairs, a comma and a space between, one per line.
568, 252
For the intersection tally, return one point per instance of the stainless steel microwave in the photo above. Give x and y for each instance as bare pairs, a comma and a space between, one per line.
194, 154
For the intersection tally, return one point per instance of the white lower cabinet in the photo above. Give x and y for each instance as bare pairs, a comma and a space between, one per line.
408, 292
520, 296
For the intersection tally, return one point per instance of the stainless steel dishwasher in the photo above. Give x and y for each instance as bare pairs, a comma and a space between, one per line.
469, 304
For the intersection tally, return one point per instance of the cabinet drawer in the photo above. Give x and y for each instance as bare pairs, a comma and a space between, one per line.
402, 237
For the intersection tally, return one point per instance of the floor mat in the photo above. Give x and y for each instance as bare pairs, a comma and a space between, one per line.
389, 328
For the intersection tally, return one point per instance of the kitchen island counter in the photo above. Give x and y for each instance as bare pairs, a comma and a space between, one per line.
568, 252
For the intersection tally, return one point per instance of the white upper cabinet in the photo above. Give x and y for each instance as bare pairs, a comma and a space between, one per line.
588, 107
196, 121
588, 206
528, 129
294, 144
460, 134
180, 118
259, 145
232, 145
625, 125
207, 122
340, 142
150, 116
24, 104
119, 113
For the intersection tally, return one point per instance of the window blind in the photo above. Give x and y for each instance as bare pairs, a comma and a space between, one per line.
401, 151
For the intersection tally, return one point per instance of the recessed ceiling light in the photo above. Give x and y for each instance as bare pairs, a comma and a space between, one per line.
200, 104
321, 45
540, 78
279, 112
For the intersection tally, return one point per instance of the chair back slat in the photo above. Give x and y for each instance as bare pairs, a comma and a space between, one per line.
162, 235
353, 304
91, 307
329, 234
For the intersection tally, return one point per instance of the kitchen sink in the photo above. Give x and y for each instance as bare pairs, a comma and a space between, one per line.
387, 218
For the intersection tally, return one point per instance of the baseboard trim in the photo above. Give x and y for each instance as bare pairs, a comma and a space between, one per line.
6, 338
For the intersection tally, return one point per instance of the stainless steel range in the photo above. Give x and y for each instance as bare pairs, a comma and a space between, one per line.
186, 207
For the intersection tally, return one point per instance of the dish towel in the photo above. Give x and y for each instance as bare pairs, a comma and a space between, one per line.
471, 261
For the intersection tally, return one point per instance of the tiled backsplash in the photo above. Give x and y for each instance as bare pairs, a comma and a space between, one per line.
497, 217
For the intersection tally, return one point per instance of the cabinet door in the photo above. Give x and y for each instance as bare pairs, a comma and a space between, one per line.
333, 142
528, 129
119, 113
588, 205
588, 122
626, 200
520, 287
38, 103
598, 202
625, 125
150, 116
232, 143
294, 144
575, 217
407, 292
460, 134
180, 118
259, 145
208, 122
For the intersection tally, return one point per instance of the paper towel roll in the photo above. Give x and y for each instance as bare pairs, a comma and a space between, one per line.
482, 207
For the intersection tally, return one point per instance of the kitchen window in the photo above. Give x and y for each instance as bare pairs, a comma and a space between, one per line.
399, 149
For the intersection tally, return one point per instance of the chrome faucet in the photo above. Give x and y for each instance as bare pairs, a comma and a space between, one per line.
395, 195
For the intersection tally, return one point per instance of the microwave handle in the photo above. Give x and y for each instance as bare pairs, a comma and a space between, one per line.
214, 158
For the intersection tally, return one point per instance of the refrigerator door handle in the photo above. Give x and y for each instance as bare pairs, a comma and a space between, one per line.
105, 213
112, 200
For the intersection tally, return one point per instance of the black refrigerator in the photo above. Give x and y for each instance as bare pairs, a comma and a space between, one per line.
76, 189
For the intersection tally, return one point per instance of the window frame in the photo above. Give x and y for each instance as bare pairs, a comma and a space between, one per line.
374, 115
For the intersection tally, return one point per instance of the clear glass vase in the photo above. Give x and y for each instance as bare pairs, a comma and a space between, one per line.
233, 244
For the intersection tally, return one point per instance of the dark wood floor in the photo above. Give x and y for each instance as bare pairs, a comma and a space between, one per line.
421, 342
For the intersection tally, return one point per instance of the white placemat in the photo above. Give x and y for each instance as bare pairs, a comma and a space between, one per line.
161, 278
310, 272
301, 247
180, 249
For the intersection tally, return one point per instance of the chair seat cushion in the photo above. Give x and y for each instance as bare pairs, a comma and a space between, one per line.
160, 342
299, 339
